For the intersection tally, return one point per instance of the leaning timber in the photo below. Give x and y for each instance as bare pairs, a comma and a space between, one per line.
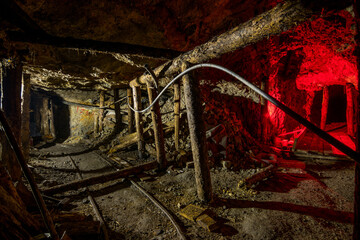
101, 178
275, 21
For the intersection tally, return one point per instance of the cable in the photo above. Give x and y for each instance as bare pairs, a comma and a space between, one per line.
322, 134
209, 65
151, 72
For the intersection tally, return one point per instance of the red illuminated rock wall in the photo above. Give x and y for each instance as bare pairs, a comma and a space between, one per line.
294, 66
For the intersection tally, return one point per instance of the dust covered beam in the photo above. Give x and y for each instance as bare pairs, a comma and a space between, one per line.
86, 44
101, 178
275, 21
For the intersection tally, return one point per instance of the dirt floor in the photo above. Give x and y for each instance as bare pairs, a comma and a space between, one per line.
301, 200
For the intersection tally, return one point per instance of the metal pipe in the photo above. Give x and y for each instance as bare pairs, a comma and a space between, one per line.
322, 134
162, 208
92, 201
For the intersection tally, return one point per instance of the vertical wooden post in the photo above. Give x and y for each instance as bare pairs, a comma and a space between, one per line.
350, 109
118, 120
197, 135
101, 110
44, 113
130, 112
51, 119
11, 105
96, 122
138, 121
324, 107
25, 116
157, 127
177, 113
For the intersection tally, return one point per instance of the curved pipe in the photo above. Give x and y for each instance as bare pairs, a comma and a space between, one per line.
322, 134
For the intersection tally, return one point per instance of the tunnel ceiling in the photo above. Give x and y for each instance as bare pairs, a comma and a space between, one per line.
177, 26
129, 34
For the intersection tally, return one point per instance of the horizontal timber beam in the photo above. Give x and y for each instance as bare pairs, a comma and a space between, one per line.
275, 21
85, 44
85, 182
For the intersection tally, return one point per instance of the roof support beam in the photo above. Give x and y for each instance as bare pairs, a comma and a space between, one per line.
275, 21
85, 44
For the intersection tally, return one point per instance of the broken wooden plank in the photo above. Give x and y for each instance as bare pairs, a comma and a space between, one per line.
128, 141
132, 138
101, 178
259, 176
275, 21
80, 228
65, 217
207, 222
192, 212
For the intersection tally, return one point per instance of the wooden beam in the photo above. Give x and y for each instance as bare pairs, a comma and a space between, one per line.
275, 21
130, 112
350, 90
13, 142
11, 80
44, 117
197, 136
96, 122
87, 44
101, 178
138, 121
118, 117
51, 119
25, 116
101, 110
132, 138
177, 98
157, 127
324, 107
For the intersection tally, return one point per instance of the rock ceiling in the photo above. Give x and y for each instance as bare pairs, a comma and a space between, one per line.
162, 28
103, 44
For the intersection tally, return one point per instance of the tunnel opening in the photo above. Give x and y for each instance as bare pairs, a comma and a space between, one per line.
337, 105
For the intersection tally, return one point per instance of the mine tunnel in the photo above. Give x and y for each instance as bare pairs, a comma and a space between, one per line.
179, 119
